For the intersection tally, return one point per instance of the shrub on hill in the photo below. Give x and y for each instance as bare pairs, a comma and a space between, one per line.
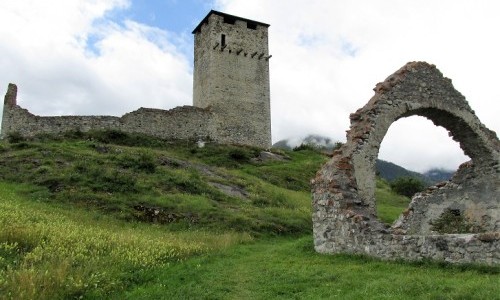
407, 186
15, 137
301, 147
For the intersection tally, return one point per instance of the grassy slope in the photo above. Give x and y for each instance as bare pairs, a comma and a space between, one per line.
75, 201
49, 252
389, 204
177, 182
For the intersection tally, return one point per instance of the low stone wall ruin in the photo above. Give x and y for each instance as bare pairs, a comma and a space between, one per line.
184, 123
344, 204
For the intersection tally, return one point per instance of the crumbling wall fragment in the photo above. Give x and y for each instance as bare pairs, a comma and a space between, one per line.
344, 205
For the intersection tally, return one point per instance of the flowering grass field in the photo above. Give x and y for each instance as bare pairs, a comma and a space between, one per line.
47, 252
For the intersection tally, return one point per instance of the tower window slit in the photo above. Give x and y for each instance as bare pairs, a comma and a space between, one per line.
251, 25
229, 20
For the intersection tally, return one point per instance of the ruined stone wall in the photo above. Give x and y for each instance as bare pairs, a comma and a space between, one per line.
185, 122
344, 204
469, 197
19, 120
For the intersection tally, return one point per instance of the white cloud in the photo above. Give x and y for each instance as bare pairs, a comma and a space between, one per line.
70, 57
328, 55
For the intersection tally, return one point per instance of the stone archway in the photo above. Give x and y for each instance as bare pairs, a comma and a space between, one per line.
343, 191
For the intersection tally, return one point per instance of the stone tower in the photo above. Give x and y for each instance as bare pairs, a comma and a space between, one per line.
231, 76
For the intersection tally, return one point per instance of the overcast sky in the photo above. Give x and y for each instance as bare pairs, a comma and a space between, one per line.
113, 56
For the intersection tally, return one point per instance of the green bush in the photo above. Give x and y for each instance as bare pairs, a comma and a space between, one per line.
229, 156
453, 221
115, 181
337, 145
407, 186
239, 154
110, 136
15, 137
75, 134
126, 139
143, 161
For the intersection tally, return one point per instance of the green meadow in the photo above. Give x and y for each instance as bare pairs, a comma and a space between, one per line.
108, 215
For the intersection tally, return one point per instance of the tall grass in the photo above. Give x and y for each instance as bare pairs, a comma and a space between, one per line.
175, 181
48, 253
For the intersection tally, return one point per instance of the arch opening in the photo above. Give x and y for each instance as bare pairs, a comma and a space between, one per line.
469, 139
416, 144
414, 154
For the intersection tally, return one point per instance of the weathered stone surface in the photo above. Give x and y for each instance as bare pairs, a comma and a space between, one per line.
11, 95
231, 61
344, 213
185, 122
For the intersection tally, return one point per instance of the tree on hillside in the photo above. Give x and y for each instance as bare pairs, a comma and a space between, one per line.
407, 186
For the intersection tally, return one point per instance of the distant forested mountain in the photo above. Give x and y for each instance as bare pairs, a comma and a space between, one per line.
321, 142
437, 175
390, 171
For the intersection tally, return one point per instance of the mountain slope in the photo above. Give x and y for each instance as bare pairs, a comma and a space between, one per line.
437, 175
390, 171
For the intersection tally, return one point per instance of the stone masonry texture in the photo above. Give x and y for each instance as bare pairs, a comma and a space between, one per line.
230, 94
231, 76
344, 206
184, 122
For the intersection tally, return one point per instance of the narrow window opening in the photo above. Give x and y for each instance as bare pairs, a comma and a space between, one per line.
251, 25
229, 20
223, 40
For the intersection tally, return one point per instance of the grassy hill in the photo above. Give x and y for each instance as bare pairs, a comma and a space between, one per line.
116, 216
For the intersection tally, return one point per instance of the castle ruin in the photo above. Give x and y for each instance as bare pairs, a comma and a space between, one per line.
231, 94
232, 105
344, 204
